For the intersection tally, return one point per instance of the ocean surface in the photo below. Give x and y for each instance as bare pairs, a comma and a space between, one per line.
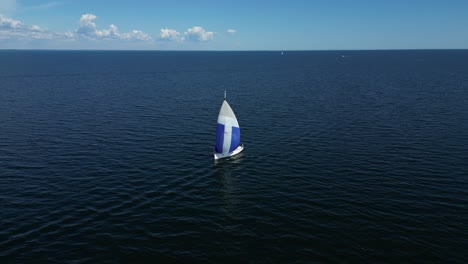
350, 156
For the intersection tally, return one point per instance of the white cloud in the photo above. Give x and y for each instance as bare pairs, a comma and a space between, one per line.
198, 34
15, 29
231, 31
169, 34
69, 35
136, 35
88, 29
9, 23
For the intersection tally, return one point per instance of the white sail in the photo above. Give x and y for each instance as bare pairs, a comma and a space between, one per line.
227, 133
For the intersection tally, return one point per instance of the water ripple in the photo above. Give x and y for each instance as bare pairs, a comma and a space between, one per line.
345, 161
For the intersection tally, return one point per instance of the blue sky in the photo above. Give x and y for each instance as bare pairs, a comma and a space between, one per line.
233, 25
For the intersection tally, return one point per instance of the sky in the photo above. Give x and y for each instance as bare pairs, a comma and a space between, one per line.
233, 25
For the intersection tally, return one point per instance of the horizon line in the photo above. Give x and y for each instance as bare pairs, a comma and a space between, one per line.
247, 50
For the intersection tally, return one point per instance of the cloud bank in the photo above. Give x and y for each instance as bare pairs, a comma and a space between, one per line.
88, 30
15, 29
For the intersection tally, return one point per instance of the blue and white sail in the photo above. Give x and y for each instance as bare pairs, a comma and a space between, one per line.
227, 133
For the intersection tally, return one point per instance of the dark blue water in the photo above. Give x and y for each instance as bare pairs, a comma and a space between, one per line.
107, 157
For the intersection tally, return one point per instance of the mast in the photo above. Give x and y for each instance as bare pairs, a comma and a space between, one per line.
224, 94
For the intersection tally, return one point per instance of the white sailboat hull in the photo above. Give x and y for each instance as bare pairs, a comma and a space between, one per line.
229, 154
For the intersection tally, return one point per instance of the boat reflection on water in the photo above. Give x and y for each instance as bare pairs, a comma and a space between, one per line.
225, 172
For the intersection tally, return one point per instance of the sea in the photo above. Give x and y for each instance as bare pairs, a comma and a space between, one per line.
350, 156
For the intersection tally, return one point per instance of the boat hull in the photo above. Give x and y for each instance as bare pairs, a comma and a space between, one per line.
230, 154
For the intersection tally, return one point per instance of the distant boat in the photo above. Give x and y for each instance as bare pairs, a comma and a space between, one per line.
227, 133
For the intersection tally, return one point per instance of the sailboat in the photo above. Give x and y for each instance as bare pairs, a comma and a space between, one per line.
227, 133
